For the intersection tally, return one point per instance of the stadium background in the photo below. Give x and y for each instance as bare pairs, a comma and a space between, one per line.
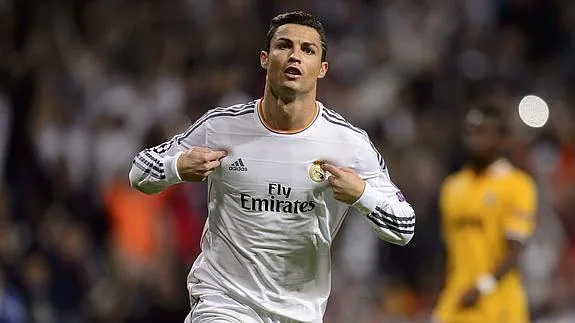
86, 84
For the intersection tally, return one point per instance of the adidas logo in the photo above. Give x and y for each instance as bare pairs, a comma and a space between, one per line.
238, 165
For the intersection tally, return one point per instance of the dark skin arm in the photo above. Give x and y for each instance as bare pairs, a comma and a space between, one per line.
514, 249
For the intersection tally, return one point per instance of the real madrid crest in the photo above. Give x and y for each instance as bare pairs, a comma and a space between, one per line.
316, 173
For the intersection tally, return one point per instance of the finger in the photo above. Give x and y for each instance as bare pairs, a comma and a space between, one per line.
200, 149
331, 168
347, 170
332, 180
216, 155
206, 174
212, 165
466, 303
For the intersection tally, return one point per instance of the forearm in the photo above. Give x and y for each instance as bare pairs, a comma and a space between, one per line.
514, 249
392, 218
487, 282
151, 173
508, 264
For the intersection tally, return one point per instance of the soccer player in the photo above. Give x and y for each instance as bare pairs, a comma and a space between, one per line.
282, 171
488, 212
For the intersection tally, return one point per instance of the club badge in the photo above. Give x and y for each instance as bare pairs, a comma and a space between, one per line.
316, 173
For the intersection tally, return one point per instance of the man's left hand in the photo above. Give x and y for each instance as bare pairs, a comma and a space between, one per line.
347, 186
469, 298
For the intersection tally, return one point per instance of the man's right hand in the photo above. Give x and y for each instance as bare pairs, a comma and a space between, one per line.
196, 164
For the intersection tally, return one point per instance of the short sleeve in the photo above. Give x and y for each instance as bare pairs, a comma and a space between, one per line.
443, 195
443, 203
520, 216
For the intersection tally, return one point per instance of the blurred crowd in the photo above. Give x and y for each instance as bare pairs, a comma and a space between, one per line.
86, 84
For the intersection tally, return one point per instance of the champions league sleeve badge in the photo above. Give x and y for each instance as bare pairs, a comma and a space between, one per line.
316, 173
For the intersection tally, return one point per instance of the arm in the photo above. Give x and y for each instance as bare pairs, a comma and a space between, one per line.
154, 169
519, 224
372, 192
183, 158
487, 283
390, 215
514, 249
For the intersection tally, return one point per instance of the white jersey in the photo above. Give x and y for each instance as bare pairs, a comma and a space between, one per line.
272, 215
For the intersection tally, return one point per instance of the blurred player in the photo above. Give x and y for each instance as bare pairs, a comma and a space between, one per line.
283, 171
488, 212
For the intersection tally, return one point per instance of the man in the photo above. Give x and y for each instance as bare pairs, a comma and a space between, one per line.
488, 213
282, 172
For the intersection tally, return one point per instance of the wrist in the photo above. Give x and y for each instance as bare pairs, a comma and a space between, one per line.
171, 168
486, 284
368, 200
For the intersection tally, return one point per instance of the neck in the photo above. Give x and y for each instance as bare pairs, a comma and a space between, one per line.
479, 165
288, 114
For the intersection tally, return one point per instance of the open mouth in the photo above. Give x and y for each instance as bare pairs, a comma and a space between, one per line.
292, 71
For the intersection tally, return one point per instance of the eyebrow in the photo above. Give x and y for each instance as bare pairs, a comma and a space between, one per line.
304, 43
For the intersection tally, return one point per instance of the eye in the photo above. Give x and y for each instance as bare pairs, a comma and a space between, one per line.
283, 46
309, 51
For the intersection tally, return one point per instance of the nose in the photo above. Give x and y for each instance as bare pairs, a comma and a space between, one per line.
295, 56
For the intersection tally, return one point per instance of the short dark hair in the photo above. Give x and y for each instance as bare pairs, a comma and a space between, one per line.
298, 18
493, 113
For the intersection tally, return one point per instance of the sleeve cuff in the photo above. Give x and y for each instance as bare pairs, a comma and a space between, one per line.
171, 168
369, 200
519, 237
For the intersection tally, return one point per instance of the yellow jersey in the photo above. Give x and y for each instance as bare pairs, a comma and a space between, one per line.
479, 213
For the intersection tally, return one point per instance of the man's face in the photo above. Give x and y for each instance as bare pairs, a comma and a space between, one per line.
482, 137
293, 63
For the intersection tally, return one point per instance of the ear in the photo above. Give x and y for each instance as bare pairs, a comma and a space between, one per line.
323, 70
264, 60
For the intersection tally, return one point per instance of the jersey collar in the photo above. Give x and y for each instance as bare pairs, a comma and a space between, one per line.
282, 132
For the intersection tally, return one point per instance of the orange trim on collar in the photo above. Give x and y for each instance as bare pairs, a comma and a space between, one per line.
284, 132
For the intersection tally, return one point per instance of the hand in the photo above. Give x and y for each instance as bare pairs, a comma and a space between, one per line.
469, 298
347, 186
196, 164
